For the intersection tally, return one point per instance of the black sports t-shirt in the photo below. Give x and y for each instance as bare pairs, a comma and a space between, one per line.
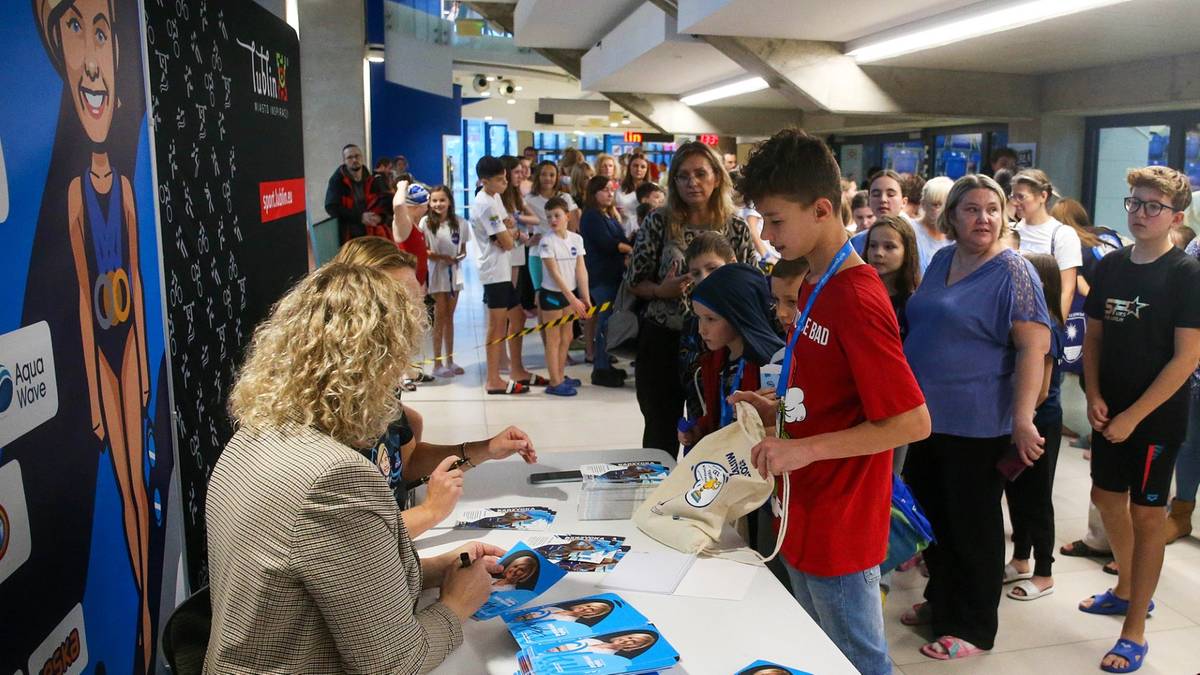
1141, 306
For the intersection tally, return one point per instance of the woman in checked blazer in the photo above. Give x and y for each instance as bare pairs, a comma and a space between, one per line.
311, 568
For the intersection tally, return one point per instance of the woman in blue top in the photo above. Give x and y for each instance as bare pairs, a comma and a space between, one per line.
978, 336
604, 239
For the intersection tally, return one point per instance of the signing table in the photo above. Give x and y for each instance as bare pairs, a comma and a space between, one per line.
713, 637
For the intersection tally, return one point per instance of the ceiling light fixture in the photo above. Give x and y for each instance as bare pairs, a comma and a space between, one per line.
725, 91
625, 120
511, 101
519, 87
485, 94
491, 78
963, 25
487, 118
612, 124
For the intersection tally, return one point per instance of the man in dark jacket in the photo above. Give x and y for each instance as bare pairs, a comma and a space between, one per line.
358, 199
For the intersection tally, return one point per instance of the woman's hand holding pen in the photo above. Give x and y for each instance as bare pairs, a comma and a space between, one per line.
444, 489
465, 589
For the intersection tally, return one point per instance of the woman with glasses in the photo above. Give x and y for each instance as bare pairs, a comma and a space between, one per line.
698, 200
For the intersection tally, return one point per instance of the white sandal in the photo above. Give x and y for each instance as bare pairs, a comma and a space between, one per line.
1011, 574
1030, 590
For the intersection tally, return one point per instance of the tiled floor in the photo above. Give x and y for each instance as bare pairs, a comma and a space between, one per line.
1048, 635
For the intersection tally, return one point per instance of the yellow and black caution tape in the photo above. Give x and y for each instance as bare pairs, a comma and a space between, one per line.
561, 321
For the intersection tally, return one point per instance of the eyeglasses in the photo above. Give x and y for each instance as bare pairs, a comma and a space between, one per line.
686, 178
1151, 209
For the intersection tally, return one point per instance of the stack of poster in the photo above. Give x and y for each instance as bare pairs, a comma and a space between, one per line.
581, 552
614, 491
598, 634
506, 518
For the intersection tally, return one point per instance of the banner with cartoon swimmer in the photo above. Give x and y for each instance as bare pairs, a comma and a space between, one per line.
86, 455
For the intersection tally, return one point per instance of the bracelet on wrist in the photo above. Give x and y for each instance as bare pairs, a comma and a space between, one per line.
462, 452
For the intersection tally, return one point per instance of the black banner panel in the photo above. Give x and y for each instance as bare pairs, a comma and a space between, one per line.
224, 81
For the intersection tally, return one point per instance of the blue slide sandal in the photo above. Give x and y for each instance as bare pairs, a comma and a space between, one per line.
1108, 603
1133, 653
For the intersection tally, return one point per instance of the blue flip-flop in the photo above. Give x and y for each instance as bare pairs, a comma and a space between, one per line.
1133, 653
1107, 603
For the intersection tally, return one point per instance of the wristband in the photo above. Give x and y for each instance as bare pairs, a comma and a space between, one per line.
462, 452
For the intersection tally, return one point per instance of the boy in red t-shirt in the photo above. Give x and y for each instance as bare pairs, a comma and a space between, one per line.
847, 398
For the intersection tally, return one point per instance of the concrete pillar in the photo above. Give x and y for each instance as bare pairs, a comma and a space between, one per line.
332, 38
1059, 141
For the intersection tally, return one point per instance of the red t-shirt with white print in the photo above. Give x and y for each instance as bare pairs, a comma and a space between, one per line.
848, 367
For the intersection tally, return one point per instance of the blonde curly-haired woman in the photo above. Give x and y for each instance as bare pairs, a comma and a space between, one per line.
311, 566
401, 454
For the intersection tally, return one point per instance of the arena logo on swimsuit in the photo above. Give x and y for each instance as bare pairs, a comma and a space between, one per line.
111, 299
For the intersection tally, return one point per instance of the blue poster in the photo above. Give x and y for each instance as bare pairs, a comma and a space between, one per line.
572, 620
85, 431
526, 575
768, 668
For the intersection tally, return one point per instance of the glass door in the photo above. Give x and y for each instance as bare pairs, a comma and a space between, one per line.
1119, 149
452, 174
474, 146
1191, 156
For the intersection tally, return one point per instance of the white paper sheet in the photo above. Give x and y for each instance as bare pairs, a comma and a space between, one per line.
718, 579
649, 571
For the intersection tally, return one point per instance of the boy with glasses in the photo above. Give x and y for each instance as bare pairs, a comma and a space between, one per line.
1142, 344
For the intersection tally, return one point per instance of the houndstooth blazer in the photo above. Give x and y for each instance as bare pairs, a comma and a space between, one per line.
311, 569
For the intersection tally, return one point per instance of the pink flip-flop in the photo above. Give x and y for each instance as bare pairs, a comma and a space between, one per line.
950, 648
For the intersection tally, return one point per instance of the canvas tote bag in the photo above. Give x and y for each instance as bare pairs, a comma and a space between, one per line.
714, 484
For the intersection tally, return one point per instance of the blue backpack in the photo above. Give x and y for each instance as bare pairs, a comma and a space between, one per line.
910, 530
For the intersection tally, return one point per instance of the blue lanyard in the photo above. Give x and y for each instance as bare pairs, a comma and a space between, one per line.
786, 373
726, 406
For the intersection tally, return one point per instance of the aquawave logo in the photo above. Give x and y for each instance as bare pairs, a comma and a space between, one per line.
6, 389
268, 71
28, 387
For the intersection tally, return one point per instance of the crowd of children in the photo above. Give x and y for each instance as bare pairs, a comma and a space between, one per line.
937, 350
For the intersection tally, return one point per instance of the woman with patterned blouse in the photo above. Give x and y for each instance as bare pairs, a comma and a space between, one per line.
698, 200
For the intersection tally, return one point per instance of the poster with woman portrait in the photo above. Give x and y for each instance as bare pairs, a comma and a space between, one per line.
526, 574
85, 435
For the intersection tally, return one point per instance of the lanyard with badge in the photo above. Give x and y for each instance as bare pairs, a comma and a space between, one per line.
785, 374
726, 406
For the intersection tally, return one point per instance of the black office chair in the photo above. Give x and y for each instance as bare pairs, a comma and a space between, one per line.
185, 636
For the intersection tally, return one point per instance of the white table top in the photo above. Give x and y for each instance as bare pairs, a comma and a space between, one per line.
713, 637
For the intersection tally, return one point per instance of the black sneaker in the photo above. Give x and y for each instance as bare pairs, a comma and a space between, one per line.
618, 371
607, 378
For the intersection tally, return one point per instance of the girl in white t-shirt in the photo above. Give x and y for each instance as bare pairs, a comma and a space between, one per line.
446, 241
1042, 233
627, 197
564, 289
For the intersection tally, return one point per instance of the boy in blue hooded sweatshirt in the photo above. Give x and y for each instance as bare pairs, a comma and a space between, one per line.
736, 322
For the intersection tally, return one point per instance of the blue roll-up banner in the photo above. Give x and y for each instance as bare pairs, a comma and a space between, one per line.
86, 454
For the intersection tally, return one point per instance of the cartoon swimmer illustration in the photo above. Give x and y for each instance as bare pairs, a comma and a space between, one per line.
710, 484
101, 225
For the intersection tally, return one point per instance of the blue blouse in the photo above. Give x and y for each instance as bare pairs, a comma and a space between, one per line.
959, 344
